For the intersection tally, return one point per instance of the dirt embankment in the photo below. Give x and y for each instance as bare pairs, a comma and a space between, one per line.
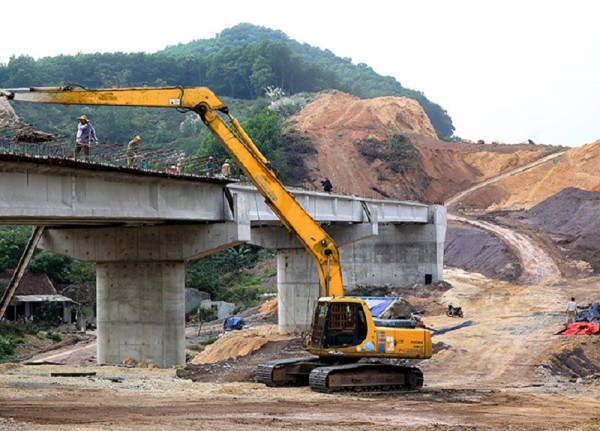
474, 178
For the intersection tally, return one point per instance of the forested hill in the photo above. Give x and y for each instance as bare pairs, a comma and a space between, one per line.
240, 62
359, 80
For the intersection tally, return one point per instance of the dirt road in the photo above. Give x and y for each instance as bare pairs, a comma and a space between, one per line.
451, 202
538, 266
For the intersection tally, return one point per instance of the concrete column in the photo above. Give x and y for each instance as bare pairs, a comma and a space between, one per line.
141, 307
439, 218
297, 278
297, 288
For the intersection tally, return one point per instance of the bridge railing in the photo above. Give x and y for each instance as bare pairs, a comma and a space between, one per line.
166, 158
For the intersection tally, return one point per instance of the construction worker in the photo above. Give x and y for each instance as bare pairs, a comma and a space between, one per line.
132, 148
85, 135
209, 167
226, 169
571, 311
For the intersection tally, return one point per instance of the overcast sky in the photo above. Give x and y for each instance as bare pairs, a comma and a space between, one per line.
505, 71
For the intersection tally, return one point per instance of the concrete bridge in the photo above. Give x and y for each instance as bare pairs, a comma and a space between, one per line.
141, 226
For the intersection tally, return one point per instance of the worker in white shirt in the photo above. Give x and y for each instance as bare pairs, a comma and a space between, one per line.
571, 311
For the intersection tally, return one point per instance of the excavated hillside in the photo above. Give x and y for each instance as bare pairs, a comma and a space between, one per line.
335, 122
495, 178
577, 167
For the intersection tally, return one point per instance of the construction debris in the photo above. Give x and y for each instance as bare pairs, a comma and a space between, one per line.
9, 120
587, 322
34, 136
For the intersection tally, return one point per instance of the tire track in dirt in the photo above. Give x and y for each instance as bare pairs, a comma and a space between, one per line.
512, 325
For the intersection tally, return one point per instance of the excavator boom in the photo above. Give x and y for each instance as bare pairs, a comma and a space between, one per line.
150, 97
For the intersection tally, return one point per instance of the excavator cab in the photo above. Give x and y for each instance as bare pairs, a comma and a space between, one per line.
337, 324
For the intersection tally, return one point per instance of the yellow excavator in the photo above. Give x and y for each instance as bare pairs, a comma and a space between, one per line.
351, 349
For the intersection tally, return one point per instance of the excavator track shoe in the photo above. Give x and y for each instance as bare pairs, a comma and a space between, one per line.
286, 372
367, 377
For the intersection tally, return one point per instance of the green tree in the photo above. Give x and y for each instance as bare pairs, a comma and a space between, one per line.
262, 75
55, 266
13, 240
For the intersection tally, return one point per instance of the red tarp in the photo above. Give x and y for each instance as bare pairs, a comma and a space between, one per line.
580, 328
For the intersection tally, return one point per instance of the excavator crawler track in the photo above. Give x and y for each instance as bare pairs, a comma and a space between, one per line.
365, 377
287, 372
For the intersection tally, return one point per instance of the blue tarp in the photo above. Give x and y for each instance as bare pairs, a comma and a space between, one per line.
234, 322
378, 305
452, 328
590, 314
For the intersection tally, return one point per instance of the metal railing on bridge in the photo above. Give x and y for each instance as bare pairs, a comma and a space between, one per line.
167, 158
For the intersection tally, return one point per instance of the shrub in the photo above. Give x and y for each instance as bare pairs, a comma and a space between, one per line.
54, 336
17, 328
398, 152
205, 314
211, 339
248, 292
8, 345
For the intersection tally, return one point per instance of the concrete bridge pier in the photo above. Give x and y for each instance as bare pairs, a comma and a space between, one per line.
297, 278
140, 283
141, 312
402, 255
297, 289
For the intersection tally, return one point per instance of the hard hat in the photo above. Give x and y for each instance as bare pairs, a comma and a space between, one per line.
138, 137
210, 157
83, 117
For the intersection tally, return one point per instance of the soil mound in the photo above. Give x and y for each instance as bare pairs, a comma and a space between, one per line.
475, 250
571, 219
574, 358
234, 344
235, 356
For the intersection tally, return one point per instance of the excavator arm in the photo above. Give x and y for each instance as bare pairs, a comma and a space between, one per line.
236, 142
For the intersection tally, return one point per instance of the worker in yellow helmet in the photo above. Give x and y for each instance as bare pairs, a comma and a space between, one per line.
85, 135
